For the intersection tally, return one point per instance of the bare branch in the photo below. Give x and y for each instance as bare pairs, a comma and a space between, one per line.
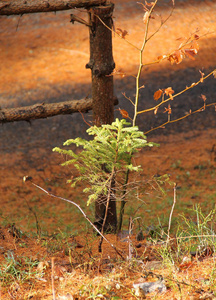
173, 96
181, 118
40, 111
20, 7
28, 178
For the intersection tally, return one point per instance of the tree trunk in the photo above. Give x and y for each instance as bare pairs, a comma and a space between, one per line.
20, 7
101, 64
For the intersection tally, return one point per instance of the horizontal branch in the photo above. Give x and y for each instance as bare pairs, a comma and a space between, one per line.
20, 7
41, 111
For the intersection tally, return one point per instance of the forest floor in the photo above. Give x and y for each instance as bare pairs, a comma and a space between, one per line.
43, 58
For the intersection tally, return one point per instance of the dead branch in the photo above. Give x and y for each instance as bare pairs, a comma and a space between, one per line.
29, 179
41, 111
20, 7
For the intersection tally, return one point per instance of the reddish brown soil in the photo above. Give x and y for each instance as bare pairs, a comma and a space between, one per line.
43, 59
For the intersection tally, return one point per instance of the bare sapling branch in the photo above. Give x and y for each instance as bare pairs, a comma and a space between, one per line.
146, 20
188, 48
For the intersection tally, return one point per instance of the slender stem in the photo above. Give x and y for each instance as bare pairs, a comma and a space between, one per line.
171, 212
52, 278
123, 201
181, 118
107, 206
141, 64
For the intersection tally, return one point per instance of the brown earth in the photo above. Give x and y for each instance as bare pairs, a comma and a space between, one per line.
43, 59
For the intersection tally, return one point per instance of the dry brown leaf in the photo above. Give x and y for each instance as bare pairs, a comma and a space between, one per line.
203, 97
42, 265
59, 270
171, 59
169, 110
158, 94
189, 53
161, 57
195, 47
169, 92
118, 72
124, 113
178, 56
149, 3
121, 33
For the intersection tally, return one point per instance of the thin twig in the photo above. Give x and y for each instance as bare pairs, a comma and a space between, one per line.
130, 245
131, 44
171, 212
181, 118
173, 96
27, 178
52, 277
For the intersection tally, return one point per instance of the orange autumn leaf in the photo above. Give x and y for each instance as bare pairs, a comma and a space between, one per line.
169, 110
158, 94
149, 3
124, 113
161, 57
178, 56
171, 59
169, 92
195, 46
118, 72
202, 74
203, 97
121, 33
190, 53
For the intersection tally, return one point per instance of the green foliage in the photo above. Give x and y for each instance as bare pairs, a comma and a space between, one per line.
19, 270
105, 156
200, 232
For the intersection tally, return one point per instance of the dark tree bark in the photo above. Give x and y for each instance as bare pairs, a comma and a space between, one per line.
20, 7
101, 64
